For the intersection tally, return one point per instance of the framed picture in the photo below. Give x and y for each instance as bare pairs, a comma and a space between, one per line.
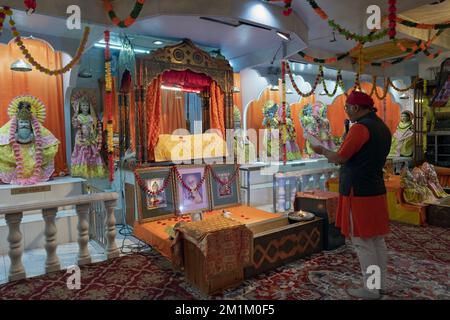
192, 189
155, 193
224, 186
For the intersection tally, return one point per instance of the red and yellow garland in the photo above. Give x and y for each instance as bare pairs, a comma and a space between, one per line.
6, 11
108, 107
129, 20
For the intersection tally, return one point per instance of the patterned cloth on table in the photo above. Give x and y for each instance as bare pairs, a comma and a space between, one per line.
225, 243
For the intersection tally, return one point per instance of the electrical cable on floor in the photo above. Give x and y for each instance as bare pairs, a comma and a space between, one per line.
135, 248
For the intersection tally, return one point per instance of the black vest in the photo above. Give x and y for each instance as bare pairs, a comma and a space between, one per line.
364, 171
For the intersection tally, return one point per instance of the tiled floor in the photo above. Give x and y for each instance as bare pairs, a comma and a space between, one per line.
34, 260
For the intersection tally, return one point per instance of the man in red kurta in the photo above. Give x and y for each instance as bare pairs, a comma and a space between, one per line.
362, 211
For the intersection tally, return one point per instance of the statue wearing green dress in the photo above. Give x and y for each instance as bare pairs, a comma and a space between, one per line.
403, 138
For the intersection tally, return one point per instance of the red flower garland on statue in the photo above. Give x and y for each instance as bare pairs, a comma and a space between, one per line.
392, 19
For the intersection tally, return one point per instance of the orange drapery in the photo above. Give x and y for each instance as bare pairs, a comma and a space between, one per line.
49, 89
172, 114
336, 112
255, 109
217, 108
153, 116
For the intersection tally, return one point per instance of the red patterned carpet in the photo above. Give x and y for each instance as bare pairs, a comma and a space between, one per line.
419, 268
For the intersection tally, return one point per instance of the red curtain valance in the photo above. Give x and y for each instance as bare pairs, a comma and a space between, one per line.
187, 79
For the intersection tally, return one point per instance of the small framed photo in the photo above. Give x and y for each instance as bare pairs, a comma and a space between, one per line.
192, 189
197, 216
155, 193
224, 186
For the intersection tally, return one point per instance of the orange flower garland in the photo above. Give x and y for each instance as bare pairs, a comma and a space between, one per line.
129, 20
6, 11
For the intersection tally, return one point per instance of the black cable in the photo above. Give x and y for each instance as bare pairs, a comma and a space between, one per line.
137, 247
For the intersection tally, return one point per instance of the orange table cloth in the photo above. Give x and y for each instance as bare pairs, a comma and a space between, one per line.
399, 210
155, 233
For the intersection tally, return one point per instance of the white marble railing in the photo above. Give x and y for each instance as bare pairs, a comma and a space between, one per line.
14, 214
286, 185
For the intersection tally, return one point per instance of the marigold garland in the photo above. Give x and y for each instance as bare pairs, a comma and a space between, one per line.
108, 106
294, 84
373, 36
426, 26
6, 11
129, 20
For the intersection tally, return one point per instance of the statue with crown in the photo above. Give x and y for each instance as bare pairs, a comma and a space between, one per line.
27, 148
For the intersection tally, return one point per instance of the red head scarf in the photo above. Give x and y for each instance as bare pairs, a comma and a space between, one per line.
360, 98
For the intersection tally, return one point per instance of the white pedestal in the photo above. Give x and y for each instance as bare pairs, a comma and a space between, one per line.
33, 226
50, 190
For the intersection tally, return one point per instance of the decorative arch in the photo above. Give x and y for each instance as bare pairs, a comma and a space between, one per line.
185, 58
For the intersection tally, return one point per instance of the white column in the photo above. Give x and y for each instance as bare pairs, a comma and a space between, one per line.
52, 262
16, 270
281, 194
84, 256
293, 182
111, 248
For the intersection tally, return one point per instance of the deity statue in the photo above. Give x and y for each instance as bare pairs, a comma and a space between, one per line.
433, 181
271, 123
292, 148
241, 142
27, 148
422, 181
428, 121
320, 115
315, 123
403, 138
86, 159
309, 127
413, 192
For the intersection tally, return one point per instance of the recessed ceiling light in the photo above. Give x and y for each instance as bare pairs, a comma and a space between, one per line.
284, 36
158, 42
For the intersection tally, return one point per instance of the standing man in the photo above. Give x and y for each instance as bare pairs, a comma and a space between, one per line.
362, 211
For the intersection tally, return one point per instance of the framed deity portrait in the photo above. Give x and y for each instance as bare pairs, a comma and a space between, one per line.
192, 189
155, 193
224, 186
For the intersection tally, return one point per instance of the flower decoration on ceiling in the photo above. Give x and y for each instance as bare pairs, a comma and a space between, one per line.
30, 5
392, 19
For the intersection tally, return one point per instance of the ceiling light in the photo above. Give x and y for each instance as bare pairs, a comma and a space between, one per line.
404, 96
289, 91
284, 36
323, 93
119, 47
236, 89
158, 42
274, 88
21, 66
